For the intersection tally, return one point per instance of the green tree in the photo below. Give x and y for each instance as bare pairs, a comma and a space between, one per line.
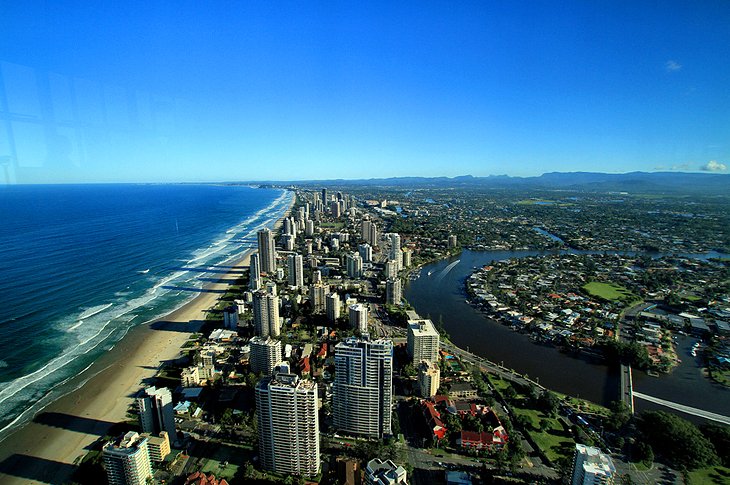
677, 440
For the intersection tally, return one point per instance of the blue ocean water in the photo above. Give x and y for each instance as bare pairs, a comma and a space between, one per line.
80, 265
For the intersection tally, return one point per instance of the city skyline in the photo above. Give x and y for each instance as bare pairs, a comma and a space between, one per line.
202, 93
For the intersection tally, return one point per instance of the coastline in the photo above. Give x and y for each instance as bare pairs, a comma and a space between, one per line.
44, 449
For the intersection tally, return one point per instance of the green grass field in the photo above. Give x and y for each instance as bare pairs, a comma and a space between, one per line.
710, 476
608, 291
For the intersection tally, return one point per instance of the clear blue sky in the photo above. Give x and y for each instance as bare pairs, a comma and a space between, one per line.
210, 90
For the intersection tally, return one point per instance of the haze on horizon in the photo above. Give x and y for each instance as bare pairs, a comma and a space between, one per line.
209, 91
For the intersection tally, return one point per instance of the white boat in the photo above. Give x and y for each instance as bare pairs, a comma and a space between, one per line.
429, 273
144, 271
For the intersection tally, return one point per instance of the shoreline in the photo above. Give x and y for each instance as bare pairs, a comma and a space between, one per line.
44, 449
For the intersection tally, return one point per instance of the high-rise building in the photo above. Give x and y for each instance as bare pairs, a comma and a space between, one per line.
295, 267
288, 424
317, 295
158, 447
393, 291
266, 314
391, 269
373, 235
366, 252
358, 314
325, 200
429, 378
127, 460
592, 467
396, 254
369, 232
333, 307
422, 341
156, 412
255, 272
354, 265
379, 472
452, 241
309, 228
336, 208
264, 355
362, 390
407, 255
287, 242
267, 252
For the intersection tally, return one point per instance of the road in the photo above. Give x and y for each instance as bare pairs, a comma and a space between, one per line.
627, 387
685, 409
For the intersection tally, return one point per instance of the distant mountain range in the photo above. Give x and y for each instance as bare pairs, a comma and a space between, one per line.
655, 182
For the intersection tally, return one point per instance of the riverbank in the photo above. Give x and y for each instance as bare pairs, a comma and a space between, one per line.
45, 449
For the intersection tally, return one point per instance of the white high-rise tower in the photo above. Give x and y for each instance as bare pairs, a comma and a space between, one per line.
288, 424
363, 390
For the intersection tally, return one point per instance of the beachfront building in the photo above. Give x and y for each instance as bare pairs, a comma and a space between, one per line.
288, 424
266, 314
422, 341
295, 269
592, 467
158, 447
379, 472
333, 307
127, 460
429, 378
156, 411
362, 390
267, 252
264, 355
393, 291
359, 317
254, 282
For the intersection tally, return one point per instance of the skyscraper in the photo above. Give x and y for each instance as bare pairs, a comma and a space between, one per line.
127, 460
156, 412
255, 272
358, 314
393, 291
317, 294
333, 307
295, 268
592, 467
266, 314
362, 390
264, 355
422, 341
354, 265
396, 254
366, 252
288, 424
267, 252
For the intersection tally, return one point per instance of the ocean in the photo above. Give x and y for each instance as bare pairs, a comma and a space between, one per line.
82, 264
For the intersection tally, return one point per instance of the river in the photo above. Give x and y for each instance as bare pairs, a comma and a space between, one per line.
441, 296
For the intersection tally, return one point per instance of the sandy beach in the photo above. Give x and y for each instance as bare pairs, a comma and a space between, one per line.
45, 449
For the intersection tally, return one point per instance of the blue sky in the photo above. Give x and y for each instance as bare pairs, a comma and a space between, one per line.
198, 91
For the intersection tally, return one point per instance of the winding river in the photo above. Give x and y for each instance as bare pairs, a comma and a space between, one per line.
441, 296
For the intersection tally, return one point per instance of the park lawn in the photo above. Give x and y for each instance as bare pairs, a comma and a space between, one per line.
552, 441
608, 291
716, 475
234, 455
